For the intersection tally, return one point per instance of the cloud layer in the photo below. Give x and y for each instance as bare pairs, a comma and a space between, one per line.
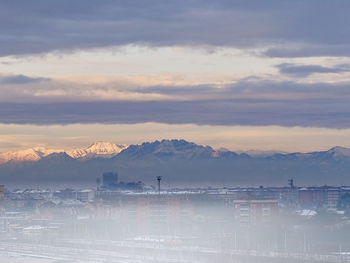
300, 92
314, 113
250, 101
286, 28
20, 79
296, 70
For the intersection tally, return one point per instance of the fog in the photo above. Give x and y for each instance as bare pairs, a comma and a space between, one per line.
178, 226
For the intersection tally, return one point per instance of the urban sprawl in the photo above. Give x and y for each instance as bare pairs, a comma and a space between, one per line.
132, 220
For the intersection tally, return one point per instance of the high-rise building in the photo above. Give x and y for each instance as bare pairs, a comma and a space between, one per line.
253, 212
110, 181
2, 192
333, 195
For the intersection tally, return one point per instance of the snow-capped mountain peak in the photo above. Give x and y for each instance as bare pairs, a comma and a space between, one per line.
27, 155
105, 148
97, 149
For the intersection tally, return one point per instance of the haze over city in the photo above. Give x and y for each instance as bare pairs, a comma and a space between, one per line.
184, 131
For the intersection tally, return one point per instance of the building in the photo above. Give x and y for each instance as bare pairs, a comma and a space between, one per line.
65, 194
255, 212
306, 197
85, 195
333, 195
110, 181
159, 214
2, 192
323, 196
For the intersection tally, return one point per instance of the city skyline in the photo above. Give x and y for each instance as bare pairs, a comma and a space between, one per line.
187, 131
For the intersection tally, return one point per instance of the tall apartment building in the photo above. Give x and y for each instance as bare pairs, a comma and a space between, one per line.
323, 196
110, 181
158, 215
255, 212
2, 192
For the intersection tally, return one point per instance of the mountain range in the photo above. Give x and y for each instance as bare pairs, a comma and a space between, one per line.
180, 163
96, 150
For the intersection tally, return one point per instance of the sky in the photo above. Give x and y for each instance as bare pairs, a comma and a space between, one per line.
263, 75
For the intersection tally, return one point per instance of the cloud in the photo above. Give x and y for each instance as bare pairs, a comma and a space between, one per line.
299, 70
19, 88
37, 26
308, 112
24, 89
20, 79
307, 50
250, 101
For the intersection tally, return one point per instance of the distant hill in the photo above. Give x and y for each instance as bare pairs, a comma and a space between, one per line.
179, 162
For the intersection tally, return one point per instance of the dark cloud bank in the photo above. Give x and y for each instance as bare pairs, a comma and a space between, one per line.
294, 28
318, 28
247, 102
296, 70
20, 79
321, 113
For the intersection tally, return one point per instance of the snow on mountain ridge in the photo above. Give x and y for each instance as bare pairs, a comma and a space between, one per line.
167, 149
97, 149
261, 153
100, 149
27, 155
182, 148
